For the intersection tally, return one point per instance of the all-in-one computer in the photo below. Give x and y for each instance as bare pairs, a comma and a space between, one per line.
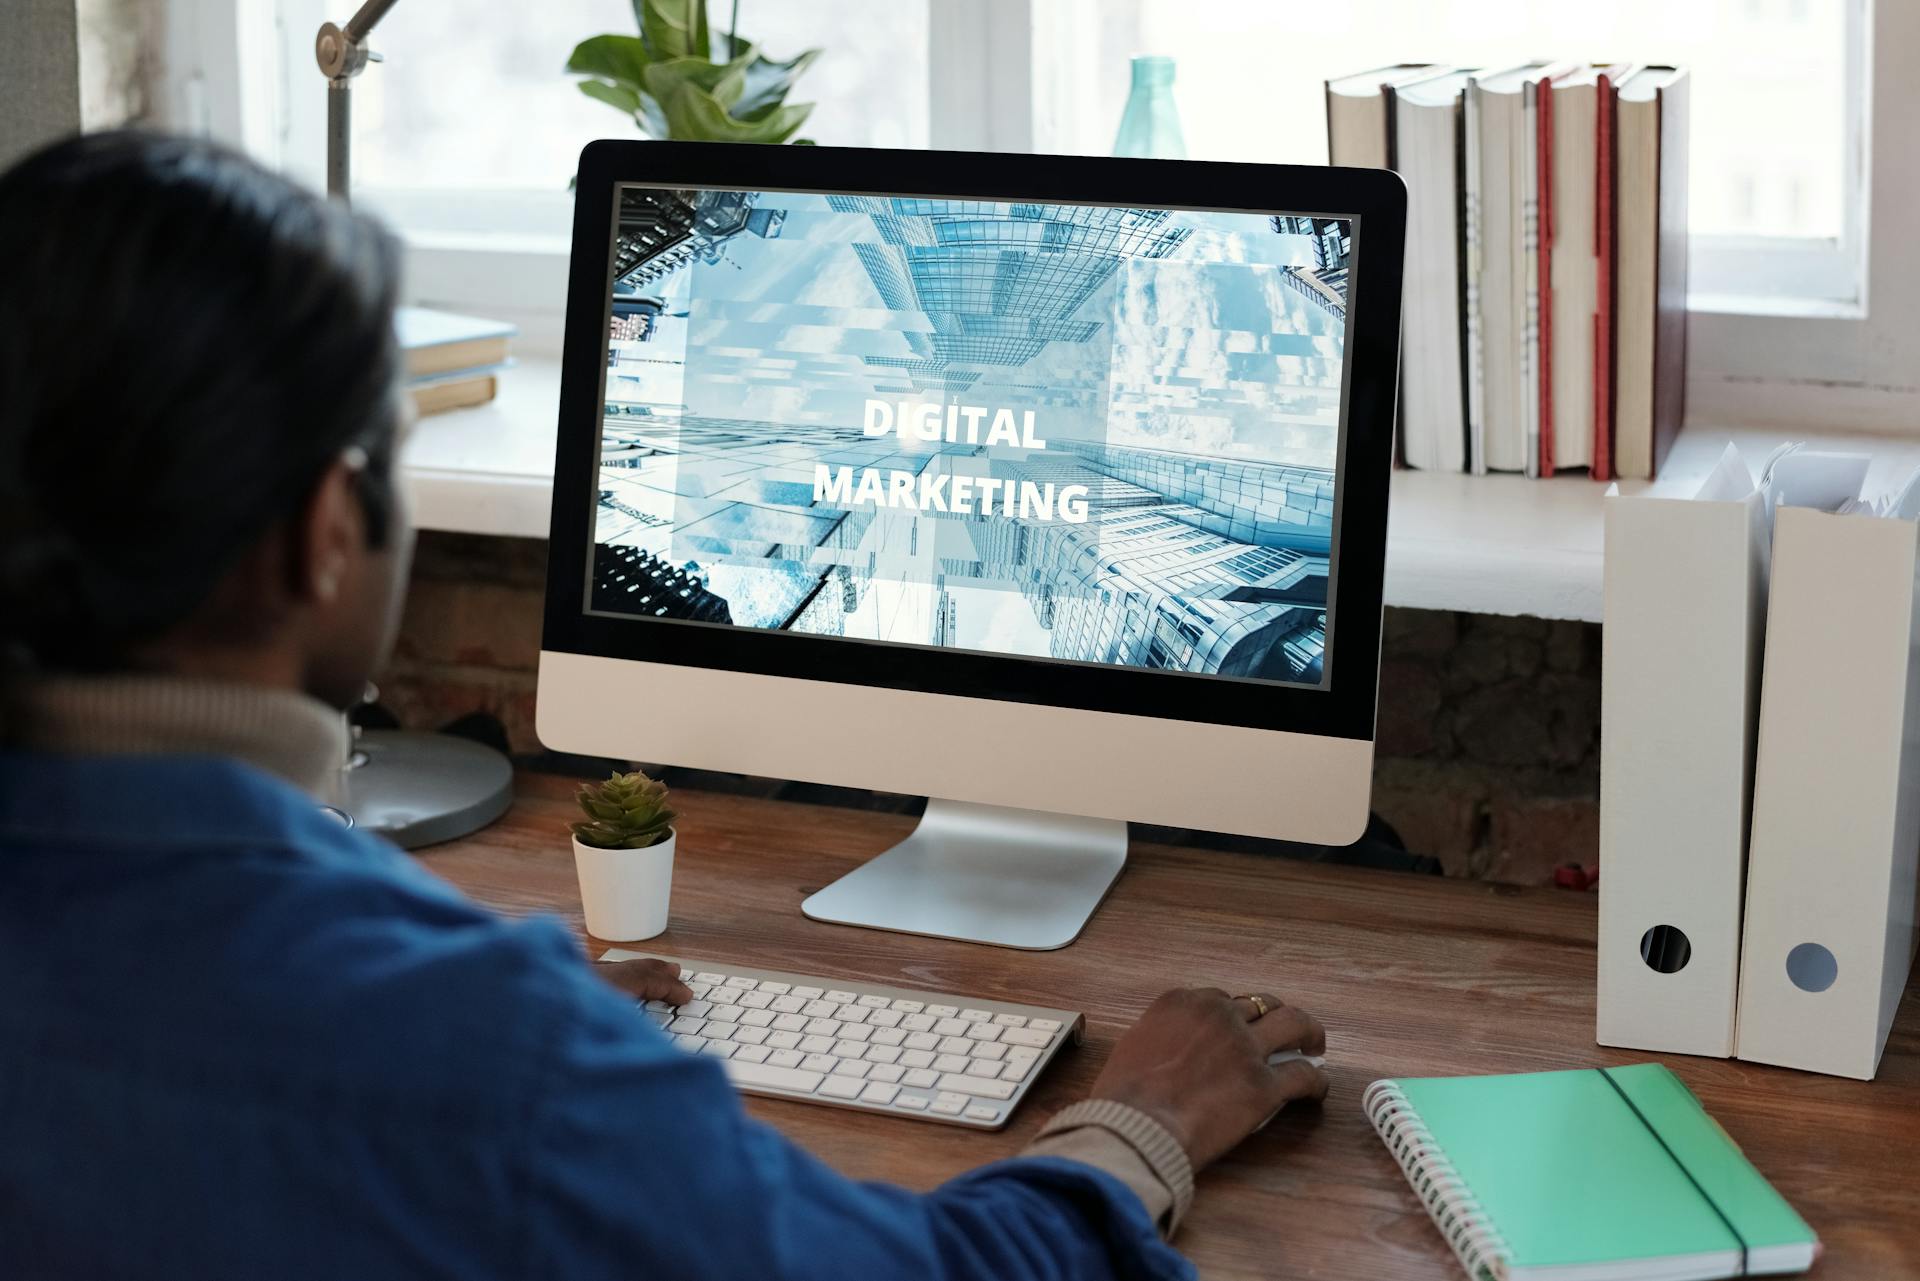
1051, 488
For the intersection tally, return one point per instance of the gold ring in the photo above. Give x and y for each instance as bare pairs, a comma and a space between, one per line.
1259, 1004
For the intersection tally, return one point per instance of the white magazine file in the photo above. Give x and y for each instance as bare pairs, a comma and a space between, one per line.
1686, 608
1830, 907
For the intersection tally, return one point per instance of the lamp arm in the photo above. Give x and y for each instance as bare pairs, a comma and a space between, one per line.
342, 54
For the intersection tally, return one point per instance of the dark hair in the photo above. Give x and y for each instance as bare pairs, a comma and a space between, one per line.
187, 343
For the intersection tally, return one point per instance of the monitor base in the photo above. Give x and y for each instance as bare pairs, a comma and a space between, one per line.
983, 874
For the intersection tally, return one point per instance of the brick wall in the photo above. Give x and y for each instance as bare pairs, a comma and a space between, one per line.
1488, 740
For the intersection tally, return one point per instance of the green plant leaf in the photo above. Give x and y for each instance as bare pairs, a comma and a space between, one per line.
769, 81
721, 80
695, 115
619, 59
617, 96
674, 28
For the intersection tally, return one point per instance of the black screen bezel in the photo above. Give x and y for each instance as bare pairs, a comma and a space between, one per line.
1376, 199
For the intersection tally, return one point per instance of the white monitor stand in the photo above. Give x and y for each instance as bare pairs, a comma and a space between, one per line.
983, 874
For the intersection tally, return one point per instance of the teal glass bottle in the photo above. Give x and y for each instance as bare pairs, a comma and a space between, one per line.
1150, 126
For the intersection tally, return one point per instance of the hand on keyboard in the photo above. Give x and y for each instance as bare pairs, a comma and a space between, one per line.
1197, 1063
648, 979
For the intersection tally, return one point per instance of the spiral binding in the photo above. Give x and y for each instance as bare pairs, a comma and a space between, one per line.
1482, 1251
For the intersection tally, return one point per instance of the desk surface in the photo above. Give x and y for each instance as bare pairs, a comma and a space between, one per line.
1413, 976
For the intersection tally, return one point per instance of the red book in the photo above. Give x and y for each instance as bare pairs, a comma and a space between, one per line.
1604, 233
1543, 178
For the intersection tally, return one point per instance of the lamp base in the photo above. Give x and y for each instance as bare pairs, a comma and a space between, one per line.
420, 789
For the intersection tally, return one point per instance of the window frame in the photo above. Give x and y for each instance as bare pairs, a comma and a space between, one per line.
1820, 355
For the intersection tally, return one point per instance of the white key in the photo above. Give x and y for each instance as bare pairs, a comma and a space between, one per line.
699, 989
838, 997
719, 1049
922, 1041
984, 1032
771, 1076
757, 1018
981, 1050
888, 1036
708, 976
920, 1078
658, 1005
1026, 1052
717, 1031
773, 987
659, 1018
949, 1104
686, 1025
883, 1054
976, 1087
688, 1043
873, 1002
819, 1009
785, 1058
723, 996
752, 1053
918, 1022
817, 1044
823, 1027
977, 1016
848, 1067
877, 1092
1044, 1025
821, 1063
852, 1013
1015, 1069
695, 1009
787, 1004
755, 1000
749, 1035
950, 1027
917, 1058
888, 1072
985, 1068
943, 1011
841, 1087
911, 1102
1010, 1020
742, 982
782, 1040
981, 1112
908, 1007
955, 1045
790, 1022
884, 1018
950, 1063
726, 1014
808, 993
848, 1050
855, 1032
1028, 1035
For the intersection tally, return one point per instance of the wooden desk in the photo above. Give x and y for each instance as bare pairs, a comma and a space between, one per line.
1412, 976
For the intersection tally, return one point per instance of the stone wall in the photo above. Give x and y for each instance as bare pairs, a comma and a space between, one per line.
1488, 740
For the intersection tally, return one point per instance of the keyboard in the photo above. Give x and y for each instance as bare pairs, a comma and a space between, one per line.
932, 1056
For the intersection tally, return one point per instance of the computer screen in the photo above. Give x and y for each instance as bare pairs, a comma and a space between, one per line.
1071, 433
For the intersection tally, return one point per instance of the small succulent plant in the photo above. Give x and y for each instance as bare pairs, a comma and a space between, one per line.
627, 812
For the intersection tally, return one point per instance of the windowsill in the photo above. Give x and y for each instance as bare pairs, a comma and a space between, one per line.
1482, 544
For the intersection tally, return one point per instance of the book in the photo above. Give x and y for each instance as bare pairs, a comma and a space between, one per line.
1605, 252
437, 343
1360, 114
1427, 123
1573, 272
1650, 268
438, 395
1600, 1174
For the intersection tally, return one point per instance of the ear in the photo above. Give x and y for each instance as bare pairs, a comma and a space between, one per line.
329, 535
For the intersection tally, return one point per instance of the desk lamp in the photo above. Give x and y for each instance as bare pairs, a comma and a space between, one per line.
416, 789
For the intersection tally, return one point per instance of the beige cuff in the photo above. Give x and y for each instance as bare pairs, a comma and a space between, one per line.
1129, 1145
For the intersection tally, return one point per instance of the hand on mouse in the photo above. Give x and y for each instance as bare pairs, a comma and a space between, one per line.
1197, 1062
648, 979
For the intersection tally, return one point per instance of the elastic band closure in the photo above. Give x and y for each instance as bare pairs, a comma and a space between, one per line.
1674, 1157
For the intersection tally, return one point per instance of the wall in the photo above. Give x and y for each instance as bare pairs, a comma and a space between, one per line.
40, 72
1488, 739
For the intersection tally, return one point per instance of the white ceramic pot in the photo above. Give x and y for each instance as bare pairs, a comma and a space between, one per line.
625, 892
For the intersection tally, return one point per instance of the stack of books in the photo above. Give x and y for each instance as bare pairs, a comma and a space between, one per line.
1544, 320
452, 361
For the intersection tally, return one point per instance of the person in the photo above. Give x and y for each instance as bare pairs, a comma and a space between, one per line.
238, 1038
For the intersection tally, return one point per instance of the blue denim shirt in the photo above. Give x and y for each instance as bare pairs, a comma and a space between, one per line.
239, 1040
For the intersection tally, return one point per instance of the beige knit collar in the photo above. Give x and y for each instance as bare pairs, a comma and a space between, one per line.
296, 738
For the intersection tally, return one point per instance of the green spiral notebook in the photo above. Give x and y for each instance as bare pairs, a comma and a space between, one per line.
1614, 1174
